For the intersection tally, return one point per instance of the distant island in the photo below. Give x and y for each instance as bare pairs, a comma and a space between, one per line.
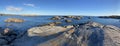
111, 16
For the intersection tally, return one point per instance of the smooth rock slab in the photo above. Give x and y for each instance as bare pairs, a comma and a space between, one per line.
45, 30
88, 34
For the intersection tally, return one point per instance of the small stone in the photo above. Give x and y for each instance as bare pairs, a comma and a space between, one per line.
68, 21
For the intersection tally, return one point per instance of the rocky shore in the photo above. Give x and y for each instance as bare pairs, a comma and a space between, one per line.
66, 17
52, 34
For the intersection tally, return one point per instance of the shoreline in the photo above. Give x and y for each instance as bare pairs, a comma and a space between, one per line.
62, 22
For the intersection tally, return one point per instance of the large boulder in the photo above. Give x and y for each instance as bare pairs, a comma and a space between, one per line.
37, 35
95, 34
73, 17
14, 20
45, 30
7, 36
69, 16
112, 33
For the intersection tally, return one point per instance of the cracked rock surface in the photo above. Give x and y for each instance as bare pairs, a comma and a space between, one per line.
87, 34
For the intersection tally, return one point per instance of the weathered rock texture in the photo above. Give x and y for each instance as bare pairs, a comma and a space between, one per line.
45, 30
7, 38
88, 34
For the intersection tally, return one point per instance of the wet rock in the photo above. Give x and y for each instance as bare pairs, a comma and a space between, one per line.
69, 16
89, 17
68, 21
77, 17
73, 17
14, 20
7, 36
6, 45
8, 32
3, 42
64, 18
56, 18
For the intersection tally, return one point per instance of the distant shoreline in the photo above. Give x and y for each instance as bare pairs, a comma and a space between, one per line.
113, 16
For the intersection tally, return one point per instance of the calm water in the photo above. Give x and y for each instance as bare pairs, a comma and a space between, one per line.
37, 20
29, 22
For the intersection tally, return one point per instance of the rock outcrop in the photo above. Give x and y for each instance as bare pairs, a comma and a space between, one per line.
87, 34
74, 17
45, 30
6, 37
66, 17
51, 24
14, 20
56, 18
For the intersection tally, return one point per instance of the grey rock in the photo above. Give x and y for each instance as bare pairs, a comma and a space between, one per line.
3, 42
89, 34
68, 21
45, 30
56, 18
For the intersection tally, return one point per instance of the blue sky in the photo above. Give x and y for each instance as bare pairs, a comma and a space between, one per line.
60, 7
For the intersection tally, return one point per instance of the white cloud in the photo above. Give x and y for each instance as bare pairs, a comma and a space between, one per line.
13, 8
31, 5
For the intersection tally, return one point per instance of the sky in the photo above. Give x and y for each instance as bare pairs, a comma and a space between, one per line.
61, 7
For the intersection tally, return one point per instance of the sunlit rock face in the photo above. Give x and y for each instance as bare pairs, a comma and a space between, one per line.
87, 34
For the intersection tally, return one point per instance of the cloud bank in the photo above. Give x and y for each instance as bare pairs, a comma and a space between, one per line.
13, 8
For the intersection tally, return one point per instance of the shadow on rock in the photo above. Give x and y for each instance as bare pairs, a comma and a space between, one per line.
96, 38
